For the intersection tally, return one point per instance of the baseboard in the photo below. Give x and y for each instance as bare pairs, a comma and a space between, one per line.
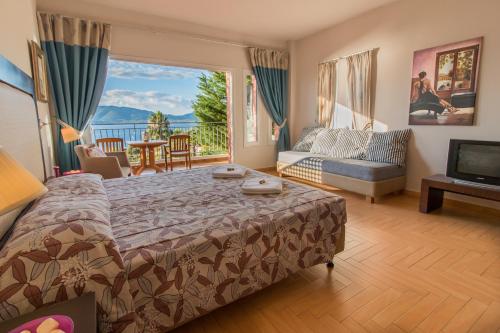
273, 168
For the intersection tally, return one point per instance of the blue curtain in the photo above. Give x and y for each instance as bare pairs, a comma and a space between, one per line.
271, 72
77, 57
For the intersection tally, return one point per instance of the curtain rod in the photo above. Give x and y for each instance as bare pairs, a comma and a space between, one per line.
166, 31
350, 55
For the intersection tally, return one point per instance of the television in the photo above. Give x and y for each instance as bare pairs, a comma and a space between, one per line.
475, 161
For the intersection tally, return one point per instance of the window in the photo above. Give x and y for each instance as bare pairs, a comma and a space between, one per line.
250, 109
259, 129
455, 71
144, 99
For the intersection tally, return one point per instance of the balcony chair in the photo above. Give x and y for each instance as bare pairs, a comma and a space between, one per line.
178, 146
114, 165
109, 145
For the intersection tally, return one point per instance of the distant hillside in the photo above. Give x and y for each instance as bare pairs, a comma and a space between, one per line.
109, 114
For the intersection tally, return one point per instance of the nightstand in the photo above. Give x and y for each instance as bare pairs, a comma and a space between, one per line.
82, 310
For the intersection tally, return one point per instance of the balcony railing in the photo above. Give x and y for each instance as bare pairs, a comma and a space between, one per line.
206, 138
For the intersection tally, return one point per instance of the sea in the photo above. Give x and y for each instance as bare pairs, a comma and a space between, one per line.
131, 131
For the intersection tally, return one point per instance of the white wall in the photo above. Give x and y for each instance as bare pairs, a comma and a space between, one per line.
398, 30
150, 39
17, 27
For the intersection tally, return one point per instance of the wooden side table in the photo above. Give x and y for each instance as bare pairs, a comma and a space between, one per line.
81, 310
433, 188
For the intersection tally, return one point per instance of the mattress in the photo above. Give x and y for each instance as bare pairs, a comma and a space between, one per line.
359, 169
191, 243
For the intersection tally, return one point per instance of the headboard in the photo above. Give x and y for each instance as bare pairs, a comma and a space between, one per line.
19, 131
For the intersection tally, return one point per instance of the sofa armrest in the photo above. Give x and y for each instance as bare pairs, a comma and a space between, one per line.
108, 167
122, 158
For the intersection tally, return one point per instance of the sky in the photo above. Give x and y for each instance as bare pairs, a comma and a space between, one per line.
151, 87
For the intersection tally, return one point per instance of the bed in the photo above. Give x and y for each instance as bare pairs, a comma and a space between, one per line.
162, 250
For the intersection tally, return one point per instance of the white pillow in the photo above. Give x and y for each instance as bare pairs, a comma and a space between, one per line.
95, 152
351, 144
306, 139
325, 141
389, 147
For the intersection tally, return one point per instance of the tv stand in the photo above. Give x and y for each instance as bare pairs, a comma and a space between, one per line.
468, 182
433, 188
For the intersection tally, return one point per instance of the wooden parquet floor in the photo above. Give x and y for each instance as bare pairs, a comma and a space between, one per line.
401, 271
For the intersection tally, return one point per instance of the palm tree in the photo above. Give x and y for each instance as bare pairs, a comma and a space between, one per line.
158, 125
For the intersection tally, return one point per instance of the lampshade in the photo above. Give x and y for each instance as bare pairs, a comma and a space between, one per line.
17, 185
69, 134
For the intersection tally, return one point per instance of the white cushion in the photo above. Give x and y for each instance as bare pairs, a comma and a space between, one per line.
325, 140
351, 144
95, 152
291, 157
389, 147
306, 139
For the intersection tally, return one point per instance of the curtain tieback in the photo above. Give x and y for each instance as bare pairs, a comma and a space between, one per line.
283, 124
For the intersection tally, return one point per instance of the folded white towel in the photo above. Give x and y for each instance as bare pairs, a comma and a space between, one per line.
262, 186
229, 171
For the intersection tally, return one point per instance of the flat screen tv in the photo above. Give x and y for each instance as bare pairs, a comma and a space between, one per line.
476, 161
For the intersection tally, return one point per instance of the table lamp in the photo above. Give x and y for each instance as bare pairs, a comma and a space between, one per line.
68, 133
18, 186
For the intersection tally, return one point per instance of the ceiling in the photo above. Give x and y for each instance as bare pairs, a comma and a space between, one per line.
275, 19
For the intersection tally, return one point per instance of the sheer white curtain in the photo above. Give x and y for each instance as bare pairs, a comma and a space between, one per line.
327, 79
359, 86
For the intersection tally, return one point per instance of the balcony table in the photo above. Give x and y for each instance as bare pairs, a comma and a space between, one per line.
147, 146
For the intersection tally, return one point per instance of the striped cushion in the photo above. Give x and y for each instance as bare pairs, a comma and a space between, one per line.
306, 139
389, 147
325, 141
351, 144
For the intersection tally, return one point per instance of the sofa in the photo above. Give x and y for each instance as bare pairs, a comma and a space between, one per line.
364, 162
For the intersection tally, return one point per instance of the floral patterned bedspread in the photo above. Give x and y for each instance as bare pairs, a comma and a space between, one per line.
191, 243
160, 251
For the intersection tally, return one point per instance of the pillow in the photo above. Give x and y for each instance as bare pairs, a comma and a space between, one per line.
389, 147
306, 139
351, 144
325, 140
95, 152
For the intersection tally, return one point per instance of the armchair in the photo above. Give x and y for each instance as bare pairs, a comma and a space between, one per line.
114, 165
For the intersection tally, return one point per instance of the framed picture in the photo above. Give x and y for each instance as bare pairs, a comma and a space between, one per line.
39, 69
444, 84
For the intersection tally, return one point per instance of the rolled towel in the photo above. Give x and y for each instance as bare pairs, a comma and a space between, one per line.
262, 186
229, 171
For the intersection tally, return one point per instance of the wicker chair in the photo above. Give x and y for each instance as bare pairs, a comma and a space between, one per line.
114, 165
